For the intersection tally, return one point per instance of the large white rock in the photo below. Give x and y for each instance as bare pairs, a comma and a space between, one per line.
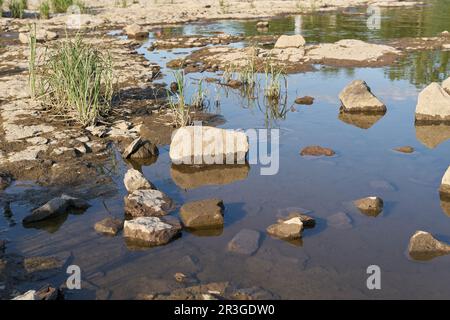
357, 97
295, 41
208, 145
134, 180
445, 183
152, 230
446, 85
433, 104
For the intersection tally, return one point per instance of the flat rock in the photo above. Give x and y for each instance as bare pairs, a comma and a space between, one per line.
135, 180
423, 246
203, 214
405, 149
289, 229
357, 97
308, 221
433, 104
369, 205
208, 145
294, 41
252, 293
110, 226
317, 151
245, 242
147, 203
445, 182
56, 207
152, 231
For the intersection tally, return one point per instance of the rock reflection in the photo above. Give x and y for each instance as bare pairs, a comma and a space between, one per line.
432, 135
360, 120
191, 177
137, 164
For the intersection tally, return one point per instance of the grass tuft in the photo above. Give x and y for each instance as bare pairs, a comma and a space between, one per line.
44, 10
177, 102
17, 8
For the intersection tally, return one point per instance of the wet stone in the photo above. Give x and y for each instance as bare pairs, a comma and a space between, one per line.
308, 221
140, 149
203, 214
306, 100
423, 246
245, 242
290, 229
405, 149
109, 226
317, 151
38, 264
135, 180
357, 97
340, 220
369, 205
253, 293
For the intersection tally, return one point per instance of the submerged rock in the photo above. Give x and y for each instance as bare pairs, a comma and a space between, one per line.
289, 229
208, 145
369, 205
203, 214
357, 97
340, 220
147, 203
445, 183
317, 151
135, 180
110, 226
405, 149
135, 31
294, 41
306, 100
140, 149
234, 83
423, 246
56, 207
245, 242
152, 231
433, 104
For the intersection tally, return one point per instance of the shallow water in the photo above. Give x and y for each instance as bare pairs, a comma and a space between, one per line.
331, 260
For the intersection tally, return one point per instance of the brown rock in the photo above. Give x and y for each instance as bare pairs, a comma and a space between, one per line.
110, 226
289, 229
152, 231
405, 149
307, 100
140, 149
234, 84
147, 203
245, 242
369, 205
308, 222
317, 151
203, 214
423, 246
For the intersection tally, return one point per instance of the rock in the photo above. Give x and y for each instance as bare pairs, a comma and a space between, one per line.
147, 203
360, 120
405, 149
445, 183
140, 149
174, 87
48, 293
369, 205
262, 24
357, 97
306, 100
234, 83
317, 151
99, 131
340, 220
41, 36
423, 246
185, 279
289, 229
135, 31
445, 33
433, 104
208, 145
39, 264
207, 291
29, 295
382, 185
295, 41
308, 222
110, 226
446, 85
5, 180
253, 293
135, 180
152, 231
56, 207
203, 214
245, 242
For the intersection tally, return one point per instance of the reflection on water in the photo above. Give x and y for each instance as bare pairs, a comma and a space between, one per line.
360, 120
432, 135
191, 177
